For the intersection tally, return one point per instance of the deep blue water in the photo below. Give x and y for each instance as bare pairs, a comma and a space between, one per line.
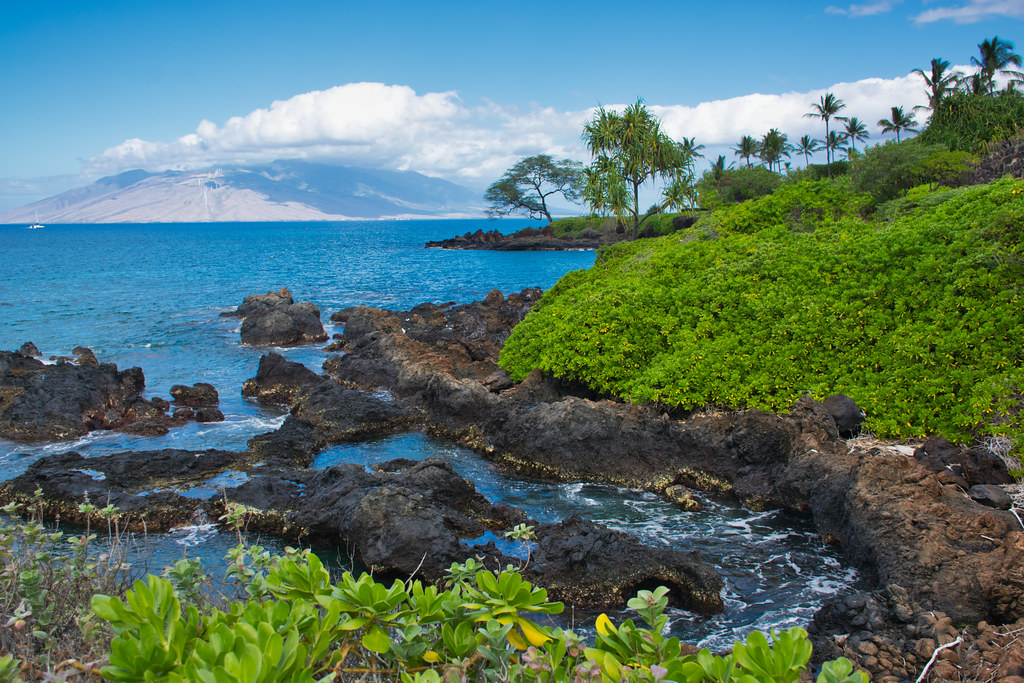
150, 295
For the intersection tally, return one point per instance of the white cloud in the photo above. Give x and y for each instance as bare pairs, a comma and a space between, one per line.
974, 11
720, 124
391, 126
371, 124
863, 10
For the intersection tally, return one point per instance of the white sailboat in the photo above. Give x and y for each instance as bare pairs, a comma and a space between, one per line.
37, 224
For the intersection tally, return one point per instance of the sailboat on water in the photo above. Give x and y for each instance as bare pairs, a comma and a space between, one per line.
37, 224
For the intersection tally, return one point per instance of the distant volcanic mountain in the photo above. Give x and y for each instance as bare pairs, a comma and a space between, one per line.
279, 191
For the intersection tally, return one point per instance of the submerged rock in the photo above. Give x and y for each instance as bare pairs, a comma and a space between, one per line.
274, 319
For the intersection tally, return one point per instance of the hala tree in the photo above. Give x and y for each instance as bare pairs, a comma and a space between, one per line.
630, 150
526, 186
829, 106
898, 121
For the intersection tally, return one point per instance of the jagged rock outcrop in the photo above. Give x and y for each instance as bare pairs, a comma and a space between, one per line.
275, 319
279, 380
195, 396
527, 239
56, 402
409, 517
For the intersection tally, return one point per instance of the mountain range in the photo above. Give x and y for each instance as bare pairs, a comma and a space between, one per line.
279, 191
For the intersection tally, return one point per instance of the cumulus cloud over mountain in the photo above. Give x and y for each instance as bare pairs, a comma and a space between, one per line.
438, 134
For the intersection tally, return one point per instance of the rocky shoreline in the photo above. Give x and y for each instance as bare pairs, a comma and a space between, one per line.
943, 565
527, 239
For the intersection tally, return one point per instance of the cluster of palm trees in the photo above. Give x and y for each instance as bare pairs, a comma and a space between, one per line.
995, 56
774, 145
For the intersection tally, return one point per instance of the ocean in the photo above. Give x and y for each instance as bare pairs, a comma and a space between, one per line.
150, 295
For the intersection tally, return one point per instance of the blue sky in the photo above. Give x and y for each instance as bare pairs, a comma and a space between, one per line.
455, 89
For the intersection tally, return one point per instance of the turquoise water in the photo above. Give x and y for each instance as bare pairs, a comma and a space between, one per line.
150, 295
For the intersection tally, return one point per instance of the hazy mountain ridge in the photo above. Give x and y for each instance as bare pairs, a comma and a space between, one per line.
279, 191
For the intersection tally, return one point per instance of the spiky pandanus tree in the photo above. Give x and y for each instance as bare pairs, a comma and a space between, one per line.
630, 150
747, 148
938, 82
855, 130
996, 56
807, 146
825, 109
898, 121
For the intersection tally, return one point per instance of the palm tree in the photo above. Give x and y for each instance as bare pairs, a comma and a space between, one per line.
746, 149
855, 130
773, 147
808, 146
718, 168
689, 147
898, 121
829, 106
833, 142
938, 82
996, 56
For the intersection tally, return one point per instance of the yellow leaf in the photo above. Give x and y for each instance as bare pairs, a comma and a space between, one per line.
533, 633
431, 656
604, 625
516, 640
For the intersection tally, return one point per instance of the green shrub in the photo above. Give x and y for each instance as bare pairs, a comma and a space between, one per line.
480, 628
800, 207
576, 226
736, 185
46, 582
888, 170
919, 320
970, 122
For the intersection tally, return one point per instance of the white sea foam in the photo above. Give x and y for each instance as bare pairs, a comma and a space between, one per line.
193, 534
93, 474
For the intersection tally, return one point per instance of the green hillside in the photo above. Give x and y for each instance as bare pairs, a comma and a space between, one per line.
918, 319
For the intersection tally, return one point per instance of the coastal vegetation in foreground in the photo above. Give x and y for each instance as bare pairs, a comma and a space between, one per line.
285, 618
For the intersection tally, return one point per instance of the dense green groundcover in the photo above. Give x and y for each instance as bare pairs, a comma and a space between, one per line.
919, 320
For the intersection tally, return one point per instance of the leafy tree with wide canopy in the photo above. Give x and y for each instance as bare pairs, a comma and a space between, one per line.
829, 106
629, 151
526, 186
898, 121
